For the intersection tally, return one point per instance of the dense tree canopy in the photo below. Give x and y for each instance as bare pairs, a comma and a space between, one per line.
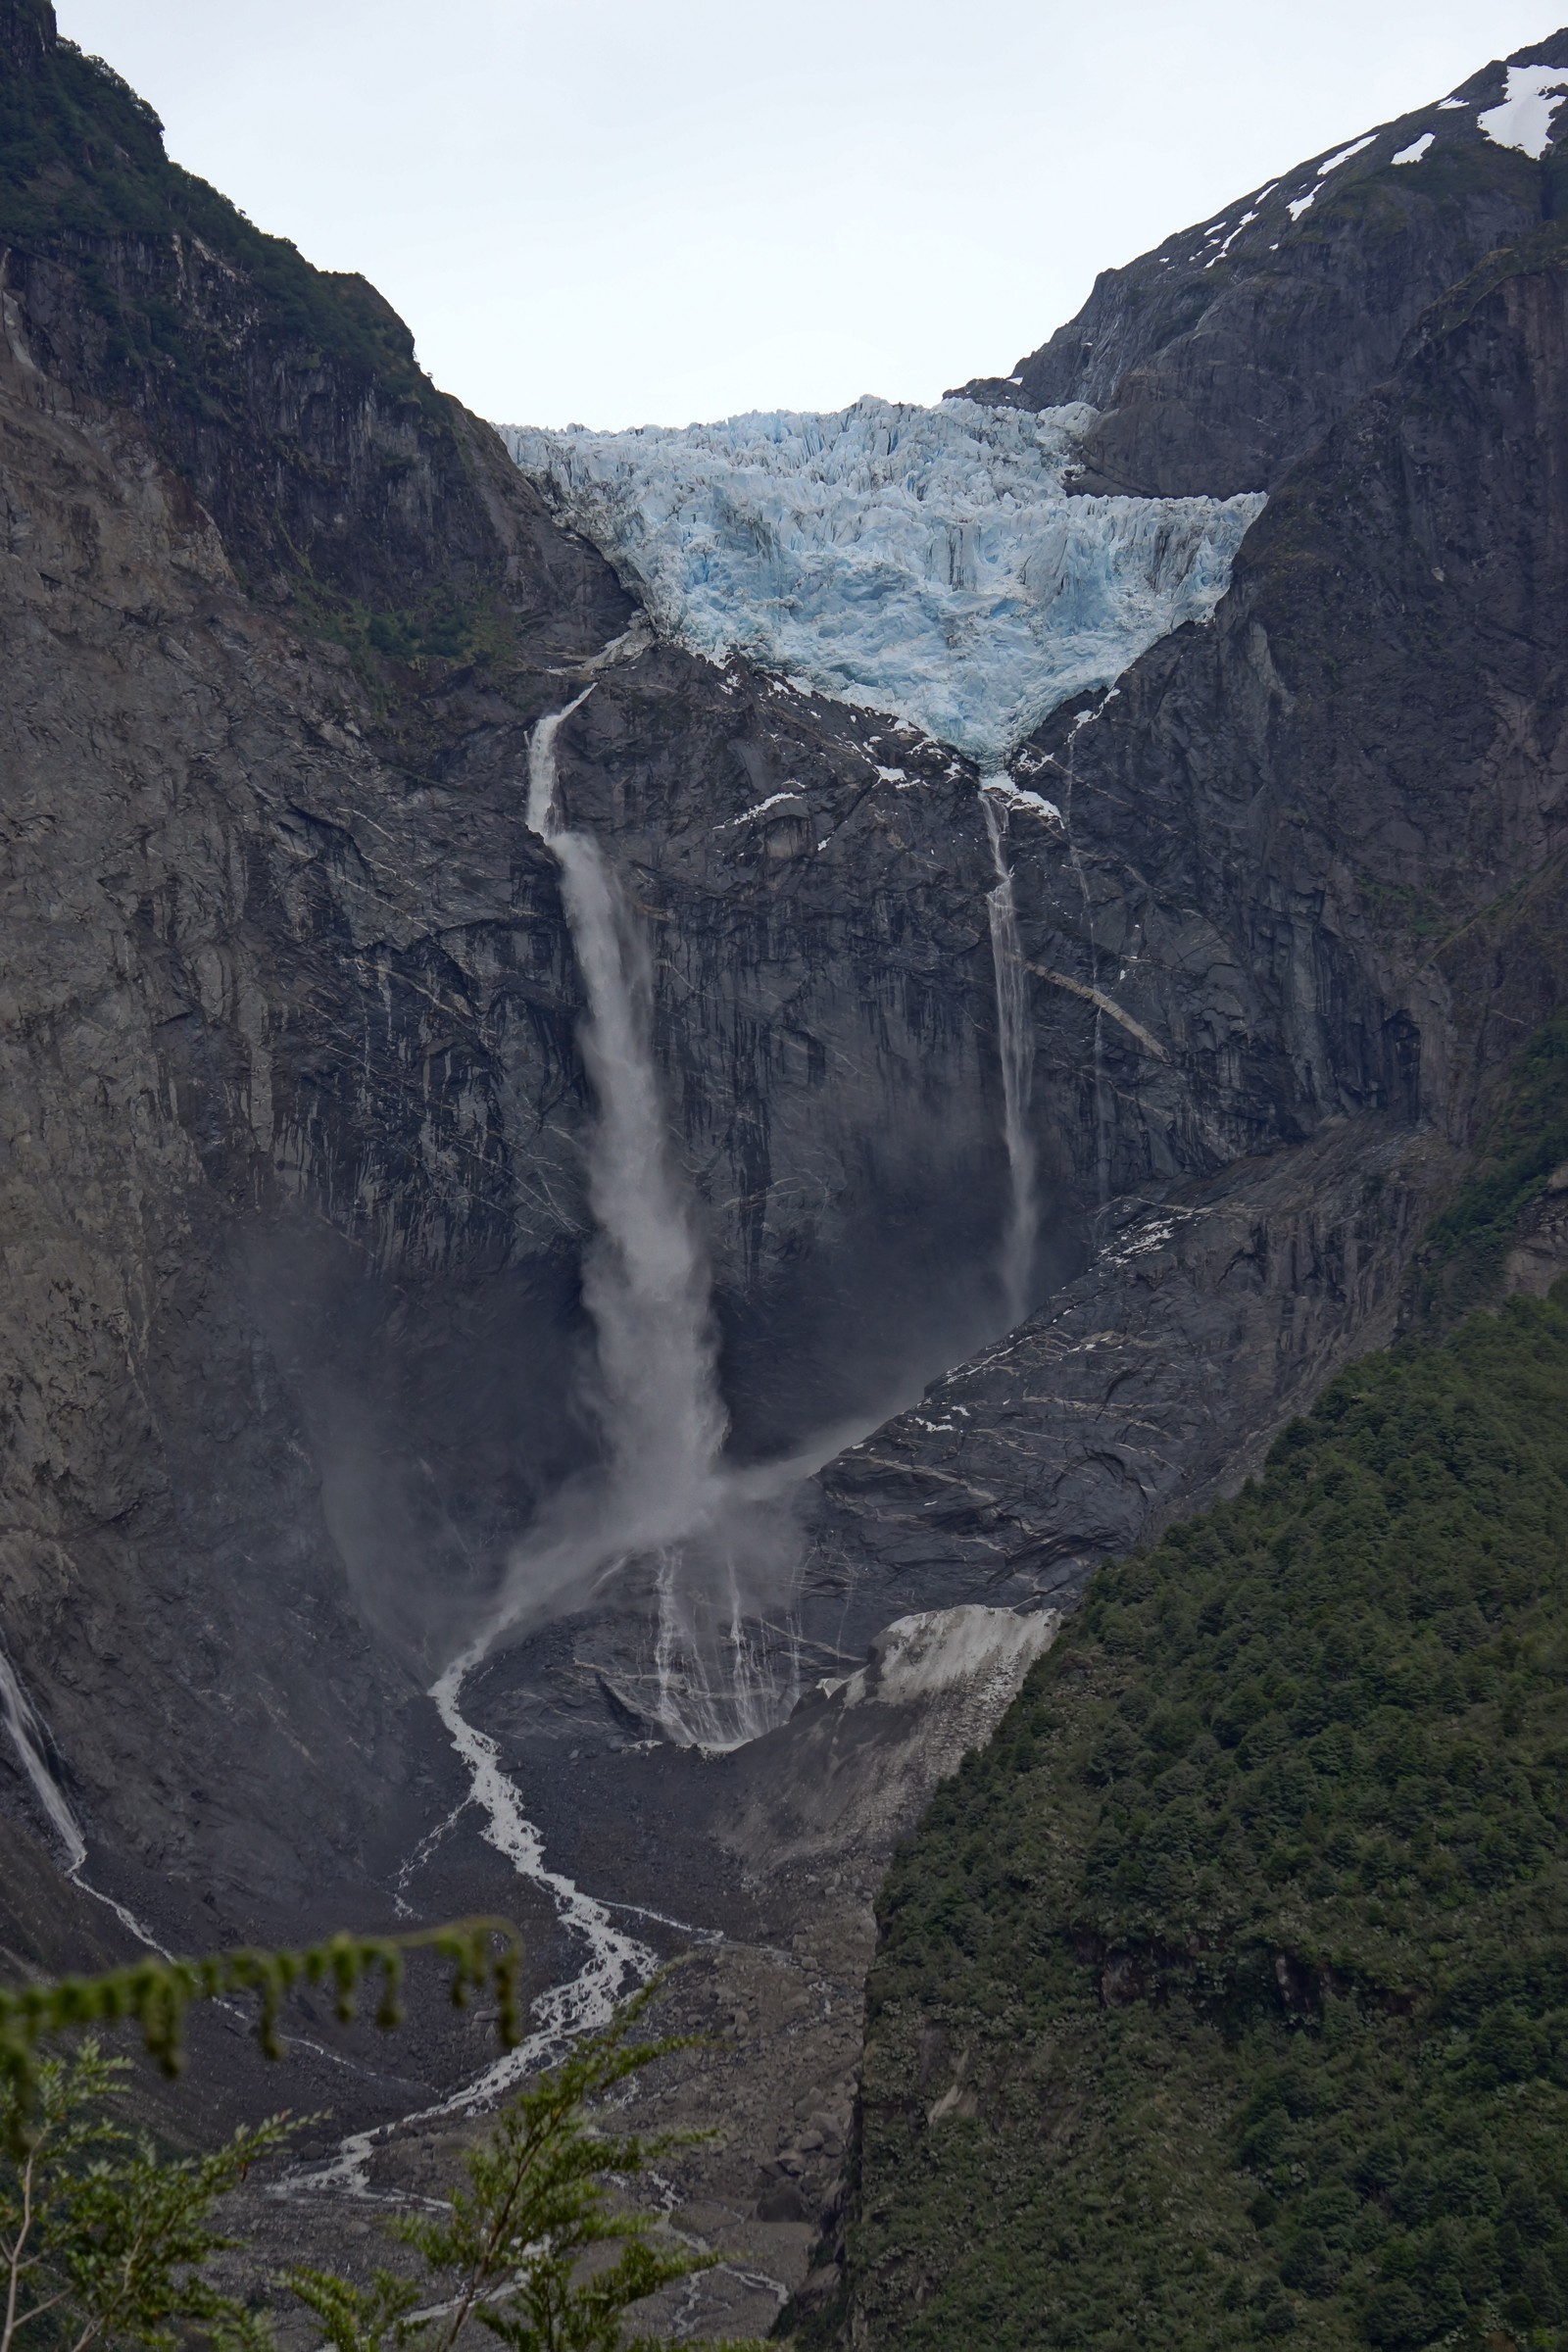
1226, 1996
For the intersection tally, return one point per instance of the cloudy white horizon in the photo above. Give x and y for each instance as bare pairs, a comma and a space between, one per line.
621, 212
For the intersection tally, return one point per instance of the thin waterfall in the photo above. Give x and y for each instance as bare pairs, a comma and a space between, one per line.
31, 1742
1016, 1045
1102, 1133
716, 1687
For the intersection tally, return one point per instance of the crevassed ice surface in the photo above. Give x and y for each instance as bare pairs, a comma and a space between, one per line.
926, 562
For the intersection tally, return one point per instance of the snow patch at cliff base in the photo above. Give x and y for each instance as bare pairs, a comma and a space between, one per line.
927, 562
920, 1657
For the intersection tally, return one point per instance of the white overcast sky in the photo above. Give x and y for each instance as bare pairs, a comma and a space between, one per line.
620, 211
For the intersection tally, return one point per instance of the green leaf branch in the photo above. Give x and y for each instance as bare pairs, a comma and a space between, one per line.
105, 2241
101, 2239
516, 2249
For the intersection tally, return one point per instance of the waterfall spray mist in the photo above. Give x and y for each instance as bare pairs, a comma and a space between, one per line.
1016, 1046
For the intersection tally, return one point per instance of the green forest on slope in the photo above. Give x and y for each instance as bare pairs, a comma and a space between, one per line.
1225, 1996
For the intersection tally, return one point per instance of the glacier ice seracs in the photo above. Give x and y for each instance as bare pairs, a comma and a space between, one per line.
925, 562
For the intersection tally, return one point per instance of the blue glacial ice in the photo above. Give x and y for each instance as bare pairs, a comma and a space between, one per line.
925, 562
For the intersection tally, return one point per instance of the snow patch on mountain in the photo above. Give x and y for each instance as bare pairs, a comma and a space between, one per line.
926, 562
1524, 119
1357, 147
1014, 796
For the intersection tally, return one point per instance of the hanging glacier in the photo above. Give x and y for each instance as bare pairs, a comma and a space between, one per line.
925, 562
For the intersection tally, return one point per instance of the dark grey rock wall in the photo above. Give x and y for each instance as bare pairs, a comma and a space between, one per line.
294, 1106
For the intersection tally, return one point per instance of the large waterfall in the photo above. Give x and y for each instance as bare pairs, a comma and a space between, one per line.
645, 1276
662, 1494
659, 1496
658, 1505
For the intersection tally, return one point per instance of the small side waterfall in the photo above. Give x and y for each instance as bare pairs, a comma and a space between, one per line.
1016, 1045
1097, 1032
31, 1741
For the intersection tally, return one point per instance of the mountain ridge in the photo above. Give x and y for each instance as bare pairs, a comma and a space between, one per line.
1213, 371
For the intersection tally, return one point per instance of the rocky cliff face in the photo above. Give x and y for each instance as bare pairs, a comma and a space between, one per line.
295, 1105
1318, 891
292, 1324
